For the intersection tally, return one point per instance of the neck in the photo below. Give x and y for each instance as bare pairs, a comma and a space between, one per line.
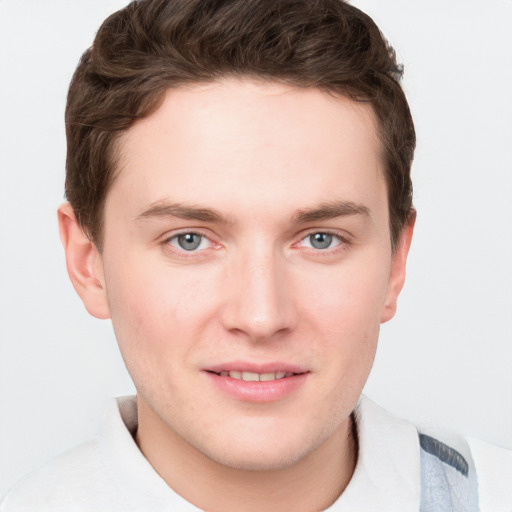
312, 483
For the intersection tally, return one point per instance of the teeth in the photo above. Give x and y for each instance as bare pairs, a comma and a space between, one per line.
255, 377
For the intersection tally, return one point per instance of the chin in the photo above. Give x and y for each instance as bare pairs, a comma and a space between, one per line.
261, 452
259, 460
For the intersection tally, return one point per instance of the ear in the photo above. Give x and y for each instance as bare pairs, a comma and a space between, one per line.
84, 263
398, 264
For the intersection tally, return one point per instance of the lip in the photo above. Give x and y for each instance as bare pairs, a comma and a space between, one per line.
261, 391
245, 366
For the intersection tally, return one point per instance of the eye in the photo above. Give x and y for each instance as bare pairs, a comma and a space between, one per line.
321, 240
190, 241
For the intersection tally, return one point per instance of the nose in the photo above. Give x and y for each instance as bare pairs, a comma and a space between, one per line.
259, 300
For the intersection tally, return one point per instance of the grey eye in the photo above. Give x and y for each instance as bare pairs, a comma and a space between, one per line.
189, 241
320, 240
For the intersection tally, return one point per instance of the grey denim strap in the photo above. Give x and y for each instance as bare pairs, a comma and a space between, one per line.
448, 479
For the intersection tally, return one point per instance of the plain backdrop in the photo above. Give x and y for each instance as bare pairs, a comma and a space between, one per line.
445, 359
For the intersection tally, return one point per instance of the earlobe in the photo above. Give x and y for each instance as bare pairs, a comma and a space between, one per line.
398, 266
84, 263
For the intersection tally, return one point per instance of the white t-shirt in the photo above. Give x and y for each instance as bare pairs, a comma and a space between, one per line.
109, 473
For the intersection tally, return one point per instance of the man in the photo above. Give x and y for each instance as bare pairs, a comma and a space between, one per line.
240, 207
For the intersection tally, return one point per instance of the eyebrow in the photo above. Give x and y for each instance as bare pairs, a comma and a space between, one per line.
324, 211
330, 210
166, 209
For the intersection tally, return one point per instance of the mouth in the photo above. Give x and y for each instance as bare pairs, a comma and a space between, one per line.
255, 377
249, 382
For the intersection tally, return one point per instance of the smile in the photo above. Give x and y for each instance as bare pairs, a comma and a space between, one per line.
246, 382
255, 377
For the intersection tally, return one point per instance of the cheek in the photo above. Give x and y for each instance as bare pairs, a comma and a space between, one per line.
348, 297
157, 308
344, 310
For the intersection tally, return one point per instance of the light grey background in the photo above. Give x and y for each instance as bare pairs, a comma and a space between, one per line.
445, 359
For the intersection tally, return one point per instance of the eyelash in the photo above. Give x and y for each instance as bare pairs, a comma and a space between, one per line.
182, 252
343, 243
327, 233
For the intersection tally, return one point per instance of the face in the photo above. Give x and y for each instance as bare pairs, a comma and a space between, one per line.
247, 266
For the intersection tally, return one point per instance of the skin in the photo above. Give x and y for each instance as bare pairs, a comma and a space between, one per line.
275, 164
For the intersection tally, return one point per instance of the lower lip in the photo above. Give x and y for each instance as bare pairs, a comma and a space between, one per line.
268, 391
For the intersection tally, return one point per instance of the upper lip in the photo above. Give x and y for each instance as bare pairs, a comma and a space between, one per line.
246, 366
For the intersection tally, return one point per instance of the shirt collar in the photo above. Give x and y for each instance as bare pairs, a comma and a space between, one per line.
386, 478
387, 474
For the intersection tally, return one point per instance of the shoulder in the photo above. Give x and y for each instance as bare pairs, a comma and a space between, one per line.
108, 473
80, 478
469, 473
448, 474
494, 471
64, 483
401, 466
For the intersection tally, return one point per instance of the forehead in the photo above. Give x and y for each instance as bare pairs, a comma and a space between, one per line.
251, 146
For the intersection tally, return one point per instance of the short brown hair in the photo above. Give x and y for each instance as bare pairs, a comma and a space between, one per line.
152, 45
